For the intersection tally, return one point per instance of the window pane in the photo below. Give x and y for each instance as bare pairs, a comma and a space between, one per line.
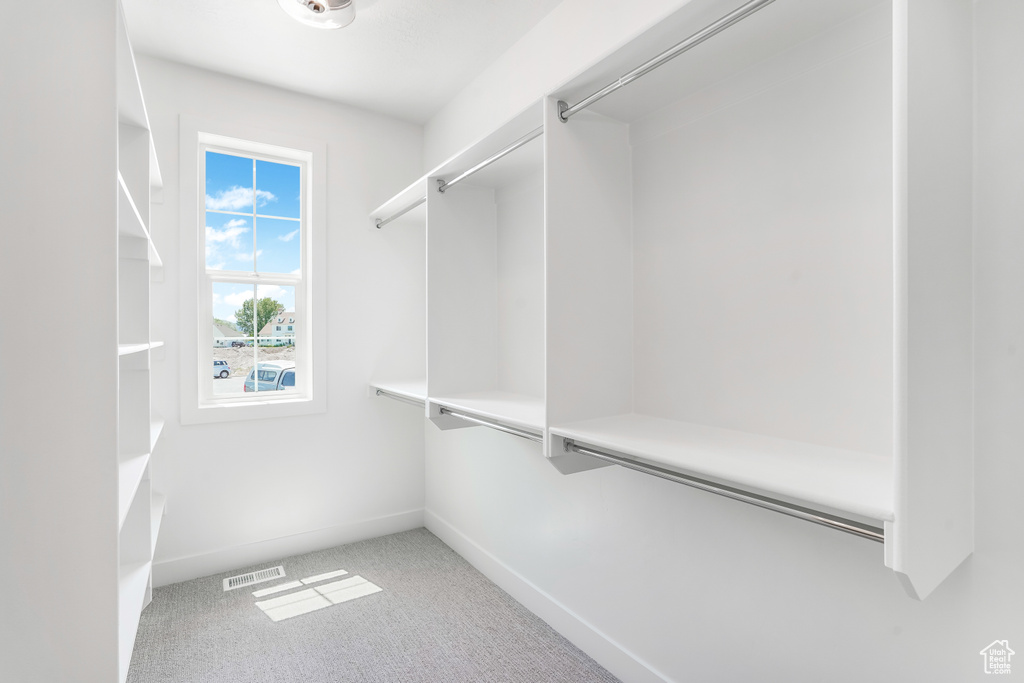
279, 243
278, 191
228, 183
276, 344
233, 352
228, 242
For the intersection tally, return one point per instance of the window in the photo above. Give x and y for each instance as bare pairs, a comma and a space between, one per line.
253, 246
258, 211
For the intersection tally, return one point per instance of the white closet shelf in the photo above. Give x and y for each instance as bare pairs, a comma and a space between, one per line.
156, 427
130, 221
154, 256
131, 107
158, 504
129, 349
415, 389
403, 205
131, 224
131, 471
516, 410
851, 482
132, 586
413, 195
156, 181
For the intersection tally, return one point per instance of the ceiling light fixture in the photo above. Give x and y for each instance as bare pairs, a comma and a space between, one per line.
320, 13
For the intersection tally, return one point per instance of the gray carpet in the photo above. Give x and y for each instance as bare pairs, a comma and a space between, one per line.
435, 619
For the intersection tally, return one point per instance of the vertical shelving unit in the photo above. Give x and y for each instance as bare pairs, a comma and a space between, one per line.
485, 282
787, 333
401, 370
745, 237
140, 507
753, 274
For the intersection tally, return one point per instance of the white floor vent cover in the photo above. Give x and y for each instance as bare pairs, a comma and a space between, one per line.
253, 577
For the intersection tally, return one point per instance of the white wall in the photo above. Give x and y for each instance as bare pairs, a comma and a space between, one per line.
520, 304
660, 582
58, 387
572, 37
247, 492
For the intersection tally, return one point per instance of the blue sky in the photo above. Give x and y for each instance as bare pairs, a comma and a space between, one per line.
231, 237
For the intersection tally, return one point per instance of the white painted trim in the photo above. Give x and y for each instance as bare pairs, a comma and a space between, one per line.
272, 550
603, 649
256, 142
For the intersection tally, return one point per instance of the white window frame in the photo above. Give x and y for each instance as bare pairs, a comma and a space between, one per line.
198, 403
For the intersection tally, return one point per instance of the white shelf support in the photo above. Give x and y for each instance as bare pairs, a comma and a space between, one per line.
933, 528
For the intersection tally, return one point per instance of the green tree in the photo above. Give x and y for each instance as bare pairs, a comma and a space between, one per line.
266, 308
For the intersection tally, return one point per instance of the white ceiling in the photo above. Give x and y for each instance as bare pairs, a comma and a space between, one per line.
404, 58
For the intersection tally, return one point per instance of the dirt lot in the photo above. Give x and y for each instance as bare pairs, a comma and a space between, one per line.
240, 359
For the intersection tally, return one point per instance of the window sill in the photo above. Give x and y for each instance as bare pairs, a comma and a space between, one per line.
252, 410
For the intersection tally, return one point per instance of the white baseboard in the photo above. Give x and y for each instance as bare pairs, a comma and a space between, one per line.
611, 655
239, 556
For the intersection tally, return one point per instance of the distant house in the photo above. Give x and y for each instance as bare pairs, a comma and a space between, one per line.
223, 335
281, 328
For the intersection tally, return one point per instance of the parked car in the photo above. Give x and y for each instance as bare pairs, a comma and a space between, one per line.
273, 376
221, 369
238, 344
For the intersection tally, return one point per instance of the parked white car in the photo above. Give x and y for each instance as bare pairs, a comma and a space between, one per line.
221, 369
273, 376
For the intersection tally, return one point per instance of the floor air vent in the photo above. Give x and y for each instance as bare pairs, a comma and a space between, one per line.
253, 577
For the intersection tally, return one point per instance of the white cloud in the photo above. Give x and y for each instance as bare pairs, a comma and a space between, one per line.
289, 237
229, 234
247, 255
238, 198
220, 242
297, 271
271, 291
276, 292
238, 298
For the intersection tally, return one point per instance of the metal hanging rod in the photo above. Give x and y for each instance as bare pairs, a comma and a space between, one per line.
399, 397
382, 222
442, 185
806, 514
516, 431
565, 111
